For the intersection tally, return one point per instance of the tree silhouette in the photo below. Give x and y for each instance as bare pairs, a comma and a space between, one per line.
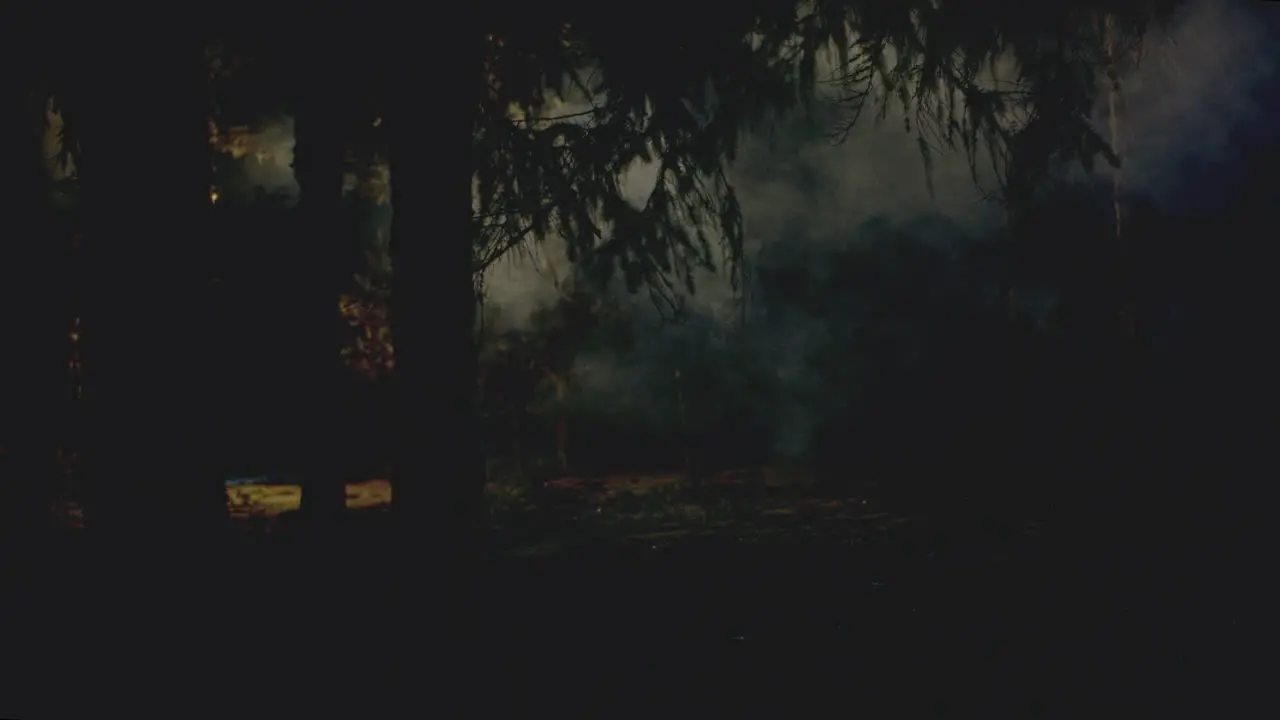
144, 351
32, 371
323, 111
529, 373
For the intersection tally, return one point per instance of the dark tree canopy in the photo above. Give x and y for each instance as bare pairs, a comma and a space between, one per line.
1012, 85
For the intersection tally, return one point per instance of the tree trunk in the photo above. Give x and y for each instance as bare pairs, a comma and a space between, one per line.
1119, 404
32, 370
517, 447
562, 444
562, 422
438, 504
318, 167
439, 492
686, 441
143, 353
1112, 52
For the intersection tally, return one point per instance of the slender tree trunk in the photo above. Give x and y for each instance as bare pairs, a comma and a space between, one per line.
517, 446
1102, 405
1112, 52
562, 422
433, 308
562, 444
686, 440
143, 353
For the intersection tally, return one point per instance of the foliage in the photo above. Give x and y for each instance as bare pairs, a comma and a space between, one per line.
577, 99
1016, 83
541, 170
368, 351
368, 346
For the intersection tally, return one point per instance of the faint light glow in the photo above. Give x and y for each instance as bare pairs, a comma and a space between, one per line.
377, 122
213, 195
272, 496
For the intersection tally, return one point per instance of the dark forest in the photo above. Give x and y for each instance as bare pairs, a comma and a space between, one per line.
893, 340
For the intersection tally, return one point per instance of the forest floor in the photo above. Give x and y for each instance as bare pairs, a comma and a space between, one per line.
745, 562
656, 510
661, 511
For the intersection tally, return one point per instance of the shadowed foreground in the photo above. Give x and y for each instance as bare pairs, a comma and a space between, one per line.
297, 627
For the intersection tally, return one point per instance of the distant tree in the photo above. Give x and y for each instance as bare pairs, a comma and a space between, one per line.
559, 333
527, 376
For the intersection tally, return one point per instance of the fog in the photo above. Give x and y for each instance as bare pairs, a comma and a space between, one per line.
811, 205
1196, 82
1196, 85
